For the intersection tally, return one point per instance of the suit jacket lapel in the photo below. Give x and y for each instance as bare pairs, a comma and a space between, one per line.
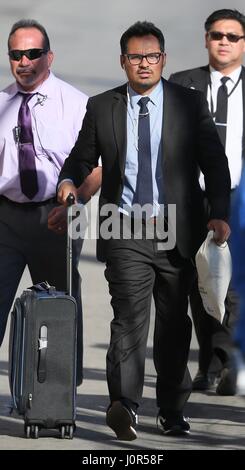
168, 118
199, 79
119, 114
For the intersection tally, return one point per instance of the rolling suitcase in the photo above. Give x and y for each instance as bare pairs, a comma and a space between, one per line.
42, 355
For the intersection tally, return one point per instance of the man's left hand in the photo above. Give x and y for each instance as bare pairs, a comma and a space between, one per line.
221, 230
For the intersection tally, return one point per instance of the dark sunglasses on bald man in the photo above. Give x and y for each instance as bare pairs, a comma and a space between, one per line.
31, 54
217, 36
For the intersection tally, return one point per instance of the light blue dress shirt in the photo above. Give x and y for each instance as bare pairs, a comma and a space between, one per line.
155, 107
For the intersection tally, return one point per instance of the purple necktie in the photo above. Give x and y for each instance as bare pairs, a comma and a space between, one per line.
27, 165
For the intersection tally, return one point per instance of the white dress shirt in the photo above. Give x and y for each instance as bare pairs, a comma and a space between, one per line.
234, 129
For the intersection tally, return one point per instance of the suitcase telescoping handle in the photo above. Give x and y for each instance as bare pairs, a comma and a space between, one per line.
70, 201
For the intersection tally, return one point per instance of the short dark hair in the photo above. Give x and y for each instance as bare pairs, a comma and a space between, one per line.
225, 14
30, 24
139, 29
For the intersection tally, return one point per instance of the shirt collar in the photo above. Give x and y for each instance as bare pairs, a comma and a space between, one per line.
215, 75
154, 96
43, 89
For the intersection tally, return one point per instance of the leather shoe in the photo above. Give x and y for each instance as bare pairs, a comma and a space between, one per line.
227, 383
175, 425
201, 381
122, 420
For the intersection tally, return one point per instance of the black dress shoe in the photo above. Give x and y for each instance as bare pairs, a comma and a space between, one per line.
122, 420
175, 425
201, 381
227, 383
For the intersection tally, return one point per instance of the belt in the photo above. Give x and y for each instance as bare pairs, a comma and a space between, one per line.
151, 220
28, 204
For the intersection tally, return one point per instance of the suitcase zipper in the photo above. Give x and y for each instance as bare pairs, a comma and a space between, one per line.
16, 355
26, 380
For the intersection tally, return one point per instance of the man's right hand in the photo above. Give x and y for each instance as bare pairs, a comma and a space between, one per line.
64, 190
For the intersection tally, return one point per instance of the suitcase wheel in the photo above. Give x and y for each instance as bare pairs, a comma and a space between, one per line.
35, 432
71, 432
28, 431
32, 431
67, 431
62, 432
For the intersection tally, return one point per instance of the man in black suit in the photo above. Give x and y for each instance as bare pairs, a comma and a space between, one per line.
182, 138
225, 42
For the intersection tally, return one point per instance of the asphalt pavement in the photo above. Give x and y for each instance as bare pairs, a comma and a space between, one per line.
85, 38
217, 423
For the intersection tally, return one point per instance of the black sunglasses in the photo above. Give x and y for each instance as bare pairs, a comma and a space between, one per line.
217, 36
31, 54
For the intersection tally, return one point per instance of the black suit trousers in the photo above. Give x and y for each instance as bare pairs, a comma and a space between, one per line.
135, 271
215, 339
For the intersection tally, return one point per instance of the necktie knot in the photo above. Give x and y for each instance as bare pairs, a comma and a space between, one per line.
224, 80
26, 96
143, 106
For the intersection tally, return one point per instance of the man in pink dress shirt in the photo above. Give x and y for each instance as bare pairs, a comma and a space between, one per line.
57, 110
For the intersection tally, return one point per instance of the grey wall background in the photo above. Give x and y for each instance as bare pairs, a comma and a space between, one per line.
85, 34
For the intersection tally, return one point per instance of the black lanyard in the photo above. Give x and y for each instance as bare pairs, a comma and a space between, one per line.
229, 94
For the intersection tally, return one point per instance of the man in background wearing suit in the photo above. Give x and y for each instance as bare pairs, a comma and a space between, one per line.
225, 42
150, 168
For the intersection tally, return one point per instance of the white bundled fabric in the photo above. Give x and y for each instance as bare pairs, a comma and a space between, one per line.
214, 270
239, 361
